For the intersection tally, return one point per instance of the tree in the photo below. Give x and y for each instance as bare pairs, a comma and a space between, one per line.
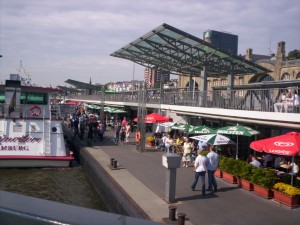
295, 54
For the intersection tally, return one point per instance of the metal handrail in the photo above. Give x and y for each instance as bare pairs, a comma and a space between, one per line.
249, 99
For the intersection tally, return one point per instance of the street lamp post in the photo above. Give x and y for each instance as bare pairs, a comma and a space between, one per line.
133, 79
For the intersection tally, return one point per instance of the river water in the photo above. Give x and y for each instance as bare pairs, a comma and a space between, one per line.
67, 185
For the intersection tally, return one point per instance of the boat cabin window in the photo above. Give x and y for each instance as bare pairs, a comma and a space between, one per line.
34, 98
2, 97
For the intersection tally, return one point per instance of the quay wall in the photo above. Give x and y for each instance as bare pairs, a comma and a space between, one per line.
114, 197
96, 165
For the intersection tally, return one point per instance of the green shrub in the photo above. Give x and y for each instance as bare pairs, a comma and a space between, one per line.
263, 177
246, 171
230, 165
237, 166
225, 164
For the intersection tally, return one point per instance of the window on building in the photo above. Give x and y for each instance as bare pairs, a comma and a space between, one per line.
215, 83
241, 81
286, 76
223, 82
208, 85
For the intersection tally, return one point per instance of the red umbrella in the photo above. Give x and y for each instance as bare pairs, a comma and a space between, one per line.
287, 144
155, 118
71, 103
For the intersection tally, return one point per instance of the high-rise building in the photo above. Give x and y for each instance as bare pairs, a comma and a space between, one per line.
153, 76
225, 41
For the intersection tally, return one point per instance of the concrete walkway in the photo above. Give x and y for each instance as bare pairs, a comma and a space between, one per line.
143, 178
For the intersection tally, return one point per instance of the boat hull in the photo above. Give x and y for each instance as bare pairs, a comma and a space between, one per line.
35, 161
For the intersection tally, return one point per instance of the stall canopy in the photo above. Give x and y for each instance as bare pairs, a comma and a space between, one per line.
181, 53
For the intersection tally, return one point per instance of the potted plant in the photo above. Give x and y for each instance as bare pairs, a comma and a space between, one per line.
245, 175
286, 194
263, 180
150, 140
227, 165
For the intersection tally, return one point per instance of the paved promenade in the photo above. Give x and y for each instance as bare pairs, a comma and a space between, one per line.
143, 177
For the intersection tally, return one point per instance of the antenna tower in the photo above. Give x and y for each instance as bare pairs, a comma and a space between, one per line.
24, 76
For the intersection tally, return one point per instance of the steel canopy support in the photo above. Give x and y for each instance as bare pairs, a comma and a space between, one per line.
203, 87
142, 110
102, 100
161, 95
230, 93
191, 83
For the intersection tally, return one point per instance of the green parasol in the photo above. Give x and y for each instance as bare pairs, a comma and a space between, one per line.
201, 130
237, 130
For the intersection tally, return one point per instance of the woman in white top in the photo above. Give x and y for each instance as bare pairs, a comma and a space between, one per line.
169, 142
187, 150
289, 101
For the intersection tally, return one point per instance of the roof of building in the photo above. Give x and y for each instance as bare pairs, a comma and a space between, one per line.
256, 57
184, 54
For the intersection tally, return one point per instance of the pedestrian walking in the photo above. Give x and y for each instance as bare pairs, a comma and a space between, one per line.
122, 135
200, 168
128, 131
213, 161
117, 133
137, 138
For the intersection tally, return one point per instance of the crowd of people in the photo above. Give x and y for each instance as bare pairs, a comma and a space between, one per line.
288, 99
278, 162
84, 123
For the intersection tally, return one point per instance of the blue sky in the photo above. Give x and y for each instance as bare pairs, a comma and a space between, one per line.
73, 39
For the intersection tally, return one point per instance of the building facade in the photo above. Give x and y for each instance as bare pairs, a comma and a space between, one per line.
281, 68
154, 75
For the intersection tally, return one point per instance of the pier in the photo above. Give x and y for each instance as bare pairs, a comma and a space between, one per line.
137, 188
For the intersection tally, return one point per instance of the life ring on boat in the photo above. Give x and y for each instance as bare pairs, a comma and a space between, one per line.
35, 110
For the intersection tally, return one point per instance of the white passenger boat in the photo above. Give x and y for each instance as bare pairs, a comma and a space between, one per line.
31, 132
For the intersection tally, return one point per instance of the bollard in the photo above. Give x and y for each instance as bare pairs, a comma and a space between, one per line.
181, 218
115, 163
172, 212
112, 161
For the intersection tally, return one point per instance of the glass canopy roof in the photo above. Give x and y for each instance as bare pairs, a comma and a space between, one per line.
83, 85
181, 53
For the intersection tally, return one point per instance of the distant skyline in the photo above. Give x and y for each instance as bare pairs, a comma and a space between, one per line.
73, 39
